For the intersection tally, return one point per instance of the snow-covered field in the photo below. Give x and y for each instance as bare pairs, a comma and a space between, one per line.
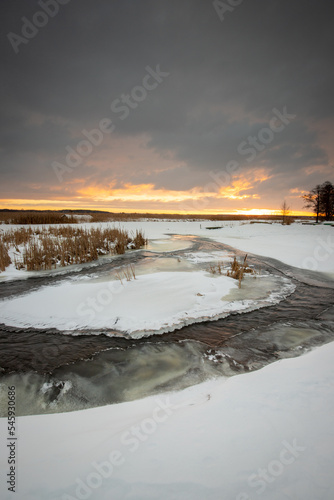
265, 434
303, 246
159, 302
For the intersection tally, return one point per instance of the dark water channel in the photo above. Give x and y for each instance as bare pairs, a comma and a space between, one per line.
54, 372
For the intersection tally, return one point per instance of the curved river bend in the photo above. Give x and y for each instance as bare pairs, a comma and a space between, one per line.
54, 372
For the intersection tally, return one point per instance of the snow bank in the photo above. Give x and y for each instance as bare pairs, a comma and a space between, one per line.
265, 434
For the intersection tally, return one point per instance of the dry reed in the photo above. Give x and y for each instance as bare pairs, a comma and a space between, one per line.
37, 218
237, 270
128, 273
64, 245
4, 257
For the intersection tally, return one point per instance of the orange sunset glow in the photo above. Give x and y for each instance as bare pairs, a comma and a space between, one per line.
241, 196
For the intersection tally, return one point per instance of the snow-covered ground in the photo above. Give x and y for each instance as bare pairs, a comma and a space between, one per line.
304, 246
268, 434
153, 302
159, 302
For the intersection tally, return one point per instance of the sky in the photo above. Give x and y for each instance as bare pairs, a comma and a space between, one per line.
192, 106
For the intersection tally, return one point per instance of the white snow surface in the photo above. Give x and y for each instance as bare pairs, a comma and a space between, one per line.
267, 434
151, 302
303, 246
161, 302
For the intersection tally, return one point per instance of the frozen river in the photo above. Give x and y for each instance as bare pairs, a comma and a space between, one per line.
278, 312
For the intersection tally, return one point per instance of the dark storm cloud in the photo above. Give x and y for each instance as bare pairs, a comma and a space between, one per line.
224, 80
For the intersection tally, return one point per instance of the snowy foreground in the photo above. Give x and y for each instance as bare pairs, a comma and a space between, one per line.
268, 434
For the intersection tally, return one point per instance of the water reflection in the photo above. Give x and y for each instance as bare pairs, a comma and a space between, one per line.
110, 377
172, 244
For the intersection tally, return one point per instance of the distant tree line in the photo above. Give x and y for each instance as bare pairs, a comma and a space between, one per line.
321, 200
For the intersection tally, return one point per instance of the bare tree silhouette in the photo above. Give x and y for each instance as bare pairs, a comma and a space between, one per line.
321, 200
285, 212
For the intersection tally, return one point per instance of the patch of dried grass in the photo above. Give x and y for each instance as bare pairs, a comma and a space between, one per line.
237, 270
128, 273
4, 257
37, 218
65, 245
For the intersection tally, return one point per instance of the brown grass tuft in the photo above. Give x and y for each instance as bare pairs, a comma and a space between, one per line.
128, 273
238, 270
216, 268
4, 257
65, 245
37, 218
138, 240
